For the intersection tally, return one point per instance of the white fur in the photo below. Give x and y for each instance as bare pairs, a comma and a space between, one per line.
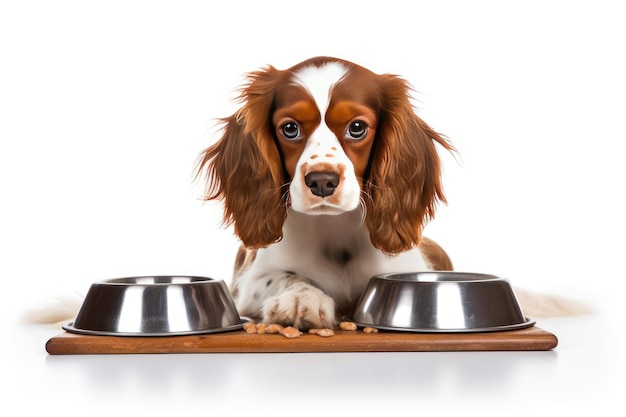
539, 305
57, 310
323, 148
313, 252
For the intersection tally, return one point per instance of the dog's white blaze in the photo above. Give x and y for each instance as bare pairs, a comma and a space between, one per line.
323, 147
319, 81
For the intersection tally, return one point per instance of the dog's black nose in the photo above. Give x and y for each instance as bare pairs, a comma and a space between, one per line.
322, 184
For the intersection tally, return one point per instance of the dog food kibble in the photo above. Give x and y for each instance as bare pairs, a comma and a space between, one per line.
370, 330
347, 325
325, 332
290, 332
260, 328
273, 328
249, 327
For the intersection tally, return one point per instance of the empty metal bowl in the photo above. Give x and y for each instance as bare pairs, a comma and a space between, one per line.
156, 306
440, 302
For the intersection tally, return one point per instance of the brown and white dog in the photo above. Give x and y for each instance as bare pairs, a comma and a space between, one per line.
328, 177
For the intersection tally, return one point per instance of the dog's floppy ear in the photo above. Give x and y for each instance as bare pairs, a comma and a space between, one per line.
244, 168
405, 175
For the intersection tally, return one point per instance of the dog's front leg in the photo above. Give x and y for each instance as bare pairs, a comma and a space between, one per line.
300, 304
286, 299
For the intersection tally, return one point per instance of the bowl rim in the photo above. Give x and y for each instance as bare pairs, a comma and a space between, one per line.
528, 322
455, 277
145, 280
76, 330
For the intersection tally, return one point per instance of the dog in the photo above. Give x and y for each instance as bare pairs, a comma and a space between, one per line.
328, 177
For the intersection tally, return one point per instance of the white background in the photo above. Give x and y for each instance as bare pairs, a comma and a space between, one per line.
105, 106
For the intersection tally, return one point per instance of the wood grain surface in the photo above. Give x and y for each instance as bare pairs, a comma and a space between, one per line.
239, 341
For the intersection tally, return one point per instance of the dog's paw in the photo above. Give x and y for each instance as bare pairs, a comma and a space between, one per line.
302, 306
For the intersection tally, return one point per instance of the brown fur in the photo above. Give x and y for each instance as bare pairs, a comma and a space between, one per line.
402, 189
435, 255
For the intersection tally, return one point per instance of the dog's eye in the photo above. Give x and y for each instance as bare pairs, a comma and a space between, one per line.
290, 131
356, 130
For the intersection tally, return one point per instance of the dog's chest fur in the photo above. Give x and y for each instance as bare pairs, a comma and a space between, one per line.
331, 252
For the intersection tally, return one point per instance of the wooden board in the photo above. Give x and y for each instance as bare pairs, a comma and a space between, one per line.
532, 338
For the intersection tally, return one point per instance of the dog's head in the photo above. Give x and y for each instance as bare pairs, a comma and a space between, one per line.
324, 137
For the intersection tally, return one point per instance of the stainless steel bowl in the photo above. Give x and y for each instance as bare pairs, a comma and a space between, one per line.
156, 306
440, 302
